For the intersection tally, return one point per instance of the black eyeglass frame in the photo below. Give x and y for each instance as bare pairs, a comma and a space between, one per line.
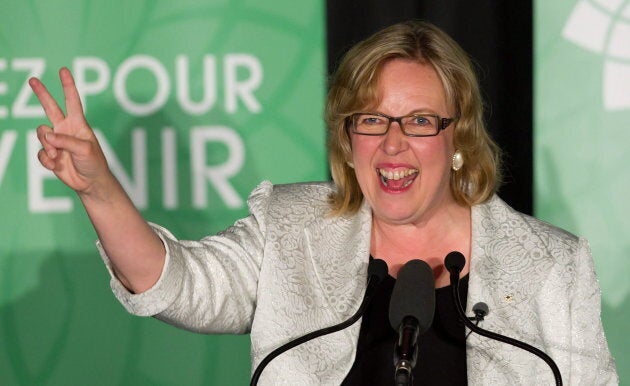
442, 123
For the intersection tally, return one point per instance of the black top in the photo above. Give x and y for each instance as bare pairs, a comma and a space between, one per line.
442, 349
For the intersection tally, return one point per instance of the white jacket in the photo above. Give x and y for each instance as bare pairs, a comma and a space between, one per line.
289, 268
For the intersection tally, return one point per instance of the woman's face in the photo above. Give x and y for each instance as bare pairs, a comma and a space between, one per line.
406, 87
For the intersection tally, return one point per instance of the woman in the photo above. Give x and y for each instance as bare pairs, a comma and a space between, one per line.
414, 178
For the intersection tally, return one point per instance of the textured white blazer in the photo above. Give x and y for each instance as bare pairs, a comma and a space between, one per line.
289, 268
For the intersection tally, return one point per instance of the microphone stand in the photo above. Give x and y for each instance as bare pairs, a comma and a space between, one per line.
454, 278
406, 353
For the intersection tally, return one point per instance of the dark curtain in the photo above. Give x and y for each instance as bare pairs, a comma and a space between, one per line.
498, 37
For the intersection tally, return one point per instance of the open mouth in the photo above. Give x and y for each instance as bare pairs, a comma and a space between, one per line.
397, 179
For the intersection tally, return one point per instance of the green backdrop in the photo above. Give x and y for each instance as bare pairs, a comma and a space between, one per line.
196, 102
582, 122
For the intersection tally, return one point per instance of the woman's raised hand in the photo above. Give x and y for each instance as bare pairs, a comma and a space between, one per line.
71, 151
70, 148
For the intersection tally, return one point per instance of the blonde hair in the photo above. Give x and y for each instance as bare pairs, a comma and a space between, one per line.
353, 88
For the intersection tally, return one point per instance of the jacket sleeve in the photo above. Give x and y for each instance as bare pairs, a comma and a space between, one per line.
591, 362
209, 285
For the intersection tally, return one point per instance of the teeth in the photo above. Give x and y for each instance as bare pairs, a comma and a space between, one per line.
396, 175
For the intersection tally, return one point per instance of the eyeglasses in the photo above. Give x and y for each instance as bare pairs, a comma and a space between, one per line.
413, 125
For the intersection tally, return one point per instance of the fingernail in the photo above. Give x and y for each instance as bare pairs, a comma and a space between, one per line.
49, 136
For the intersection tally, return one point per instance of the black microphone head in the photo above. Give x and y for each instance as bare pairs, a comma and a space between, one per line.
413, 295
378, 268
454, 262
481, 309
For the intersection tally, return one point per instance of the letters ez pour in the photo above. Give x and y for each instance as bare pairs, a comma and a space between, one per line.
237, 92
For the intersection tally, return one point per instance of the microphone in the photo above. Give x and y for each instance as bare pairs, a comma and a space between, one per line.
454, 263
480, 310
411, 310
377, 269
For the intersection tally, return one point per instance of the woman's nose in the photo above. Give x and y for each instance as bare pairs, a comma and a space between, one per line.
394, 141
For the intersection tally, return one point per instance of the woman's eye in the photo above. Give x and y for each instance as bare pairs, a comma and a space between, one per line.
420, 121
371, 120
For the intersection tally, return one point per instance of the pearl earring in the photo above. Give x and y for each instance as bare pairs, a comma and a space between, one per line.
350, 164
458, 161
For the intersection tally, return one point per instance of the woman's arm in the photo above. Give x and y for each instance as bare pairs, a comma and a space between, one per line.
72, 152
591, 362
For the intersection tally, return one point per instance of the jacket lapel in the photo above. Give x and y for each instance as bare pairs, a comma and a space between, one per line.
339, 250
504, 275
